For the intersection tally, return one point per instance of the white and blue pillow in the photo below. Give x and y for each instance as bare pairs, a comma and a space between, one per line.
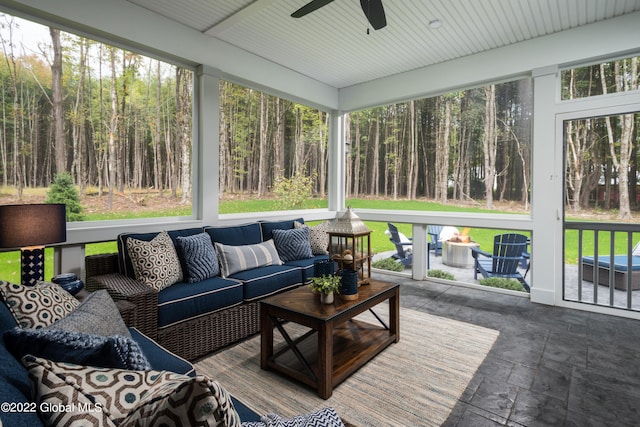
234, 259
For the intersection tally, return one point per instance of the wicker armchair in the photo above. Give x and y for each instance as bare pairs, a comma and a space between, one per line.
190, 339
102, 273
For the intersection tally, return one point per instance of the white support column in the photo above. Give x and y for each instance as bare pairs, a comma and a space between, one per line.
206, 147
419, 260
68, 260
336, 168
546, 191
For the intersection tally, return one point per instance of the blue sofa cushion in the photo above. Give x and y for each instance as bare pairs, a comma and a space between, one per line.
14, 380
160, 358
267, 227
248, 234
263, 281
76, 347
198, 257
184, 301
306, 266
245, 257
293, 244
246, 415
619, 261
124, 260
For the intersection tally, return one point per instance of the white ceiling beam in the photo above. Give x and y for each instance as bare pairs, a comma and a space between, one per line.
231, 20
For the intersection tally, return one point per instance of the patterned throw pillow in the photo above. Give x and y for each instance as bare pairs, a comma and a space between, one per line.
75, 347
156, 262
293, 244
37, 306
97, 314
326, 417
318, 237
198, 257
110, 396
245, 257
196, 401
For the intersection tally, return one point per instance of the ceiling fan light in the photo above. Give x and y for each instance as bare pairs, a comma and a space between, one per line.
435, 24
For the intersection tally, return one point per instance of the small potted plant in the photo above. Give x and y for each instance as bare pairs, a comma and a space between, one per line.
326, 285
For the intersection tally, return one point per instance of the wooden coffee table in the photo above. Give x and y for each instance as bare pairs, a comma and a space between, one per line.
337, 344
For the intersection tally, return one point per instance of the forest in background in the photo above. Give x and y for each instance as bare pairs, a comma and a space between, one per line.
118, 121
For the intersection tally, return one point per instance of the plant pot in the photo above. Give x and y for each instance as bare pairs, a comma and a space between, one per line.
326, 298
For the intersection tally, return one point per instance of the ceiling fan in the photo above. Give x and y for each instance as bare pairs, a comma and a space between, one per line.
372, 9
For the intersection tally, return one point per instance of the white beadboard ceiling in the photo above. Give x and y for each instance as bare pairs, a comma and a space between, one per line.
332, 46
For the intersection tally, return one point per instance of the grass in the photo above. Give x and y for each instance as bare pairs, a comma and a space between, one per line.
10, 261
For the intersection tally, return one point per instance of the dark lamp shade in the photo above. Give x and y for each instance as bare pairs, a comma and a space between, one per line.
32, 225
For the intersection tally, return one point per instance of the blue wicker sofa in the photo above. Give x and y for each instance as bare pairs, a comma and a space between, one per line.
194, 319
18, 409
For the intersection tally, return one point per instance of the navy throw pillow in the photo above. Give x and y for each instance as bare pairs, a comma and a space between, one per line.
78, 348
198, 257
292, 244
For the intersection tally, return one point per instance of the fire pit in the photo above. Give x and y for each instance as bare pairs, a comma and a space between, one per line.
456, 252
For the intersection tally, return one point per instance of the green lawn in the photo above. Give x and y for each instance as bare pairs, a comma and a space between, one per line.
10, 261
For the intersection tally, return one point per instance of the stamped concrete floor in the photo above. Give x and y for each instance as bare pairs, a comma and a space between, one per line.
550, 366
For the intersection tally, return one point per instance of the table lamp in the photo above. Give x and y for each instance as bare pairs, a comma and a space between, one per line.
30, 227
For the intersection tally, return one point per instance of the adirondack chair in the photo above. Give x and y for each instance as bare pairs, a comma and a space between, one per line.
509, 250
434, 234
403, 246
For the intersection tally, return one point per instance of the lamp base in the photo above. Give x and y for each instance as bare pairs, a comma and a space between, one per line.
32, 265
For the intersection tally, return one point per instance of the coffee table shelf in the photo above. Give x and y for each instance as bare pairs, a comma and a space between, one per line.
336, 345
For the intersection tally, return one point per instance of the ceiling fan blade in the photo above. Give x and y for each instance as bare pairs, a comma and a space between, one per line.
374, 12
310, 7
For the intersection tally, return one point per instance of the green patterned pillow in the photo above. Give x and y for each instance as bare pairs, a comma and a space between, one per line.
39, 305
110, 397
156, 262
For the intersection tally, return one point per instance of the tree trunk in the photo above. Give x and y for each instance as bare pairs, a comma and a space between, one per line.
78, 129
622, 162
375, 162
355, 153
57, 101
442, 152
183, 102
113, 129
262, 149
489, 144
278, 143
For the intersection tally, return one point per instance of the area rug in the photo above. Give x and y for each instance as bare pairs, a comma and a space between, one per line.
415, 382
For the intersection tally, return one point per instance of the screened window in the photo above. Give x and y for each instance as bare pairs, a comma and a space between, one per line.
464, 147
105, 130
273, 152
600, 79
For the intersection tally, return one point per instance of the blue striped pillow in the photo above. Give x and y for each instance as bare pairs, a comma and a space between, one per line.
293, 244
245, 257
198, 257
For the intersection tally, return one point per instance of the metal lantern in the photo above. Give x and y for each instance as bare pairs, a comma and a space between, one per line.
350, 245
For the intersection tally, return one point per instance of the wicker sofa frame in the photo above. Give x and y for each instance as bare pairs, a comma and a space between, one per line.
190, 339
